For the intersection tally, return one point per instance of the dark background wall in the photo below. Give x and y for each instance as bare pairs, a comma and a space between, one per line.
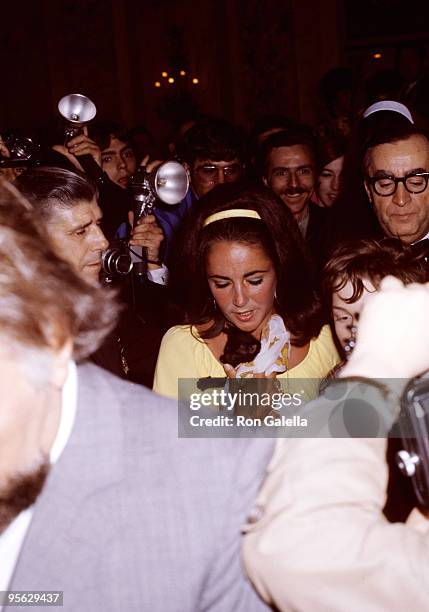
249, 56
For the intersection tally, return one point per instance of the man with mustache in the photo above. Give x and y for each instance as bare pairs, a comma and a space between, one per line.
288, 165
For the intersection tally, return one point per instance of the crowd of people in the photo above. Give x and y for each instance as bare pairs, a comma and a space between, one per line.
273, 266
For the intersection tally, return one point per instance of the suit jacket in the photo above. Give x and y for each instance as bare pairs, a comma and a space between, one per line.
134, 518
321, 542
316, 234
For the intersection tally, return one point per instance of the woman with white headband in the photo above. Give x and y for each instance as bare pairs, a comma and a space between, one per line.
247, 292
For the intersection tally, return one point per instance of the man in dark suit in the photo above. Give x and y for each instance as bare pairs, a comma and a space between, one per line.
385, 181
67, 204
288, 164
99, 498
396, 174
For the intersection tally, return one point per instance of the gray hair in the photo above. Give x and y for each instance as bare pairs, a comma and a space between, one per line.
48, 189
43, 303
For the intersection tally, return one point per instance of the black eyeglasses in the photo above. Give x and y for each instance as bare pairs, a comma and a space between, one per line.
387, 185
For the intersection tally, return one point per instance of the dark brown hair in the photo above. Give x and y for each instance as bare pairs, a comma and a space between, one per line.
330, 149
370, 260
213, 139
389, 133
296, 135
276, 233
103, 132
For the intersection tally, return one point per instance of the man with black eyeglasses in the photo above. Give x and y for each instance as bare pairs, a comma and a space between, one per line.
396, 167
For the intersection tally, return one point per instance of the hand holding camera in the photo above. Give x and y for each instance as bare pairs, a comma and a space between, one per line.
168, 183
77, 146
148, 234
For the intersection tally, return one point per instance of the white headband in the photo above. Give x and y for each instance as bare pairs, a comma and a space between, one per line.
232, 213
388, 105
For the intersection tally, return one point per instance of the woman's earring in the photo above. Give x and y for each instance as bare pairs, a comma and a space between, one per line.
214, 304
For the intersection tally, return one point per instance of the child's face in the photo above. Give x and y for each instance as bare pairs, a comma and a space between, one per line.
346, 316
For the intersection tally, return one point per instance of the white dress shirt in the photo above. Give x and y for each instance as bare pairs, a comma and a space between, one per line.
12, 538
158, 275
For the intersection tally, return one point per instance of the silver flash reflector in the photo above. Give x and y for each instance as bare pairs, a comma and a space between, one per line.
77, 109
171, 182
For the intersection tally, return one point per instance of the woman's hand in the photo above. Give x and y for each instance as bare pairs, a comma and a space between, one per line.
229, 371
267, 386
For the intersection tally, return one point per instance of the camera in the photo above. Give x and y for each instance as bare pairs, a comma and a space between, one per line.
413, 459
117, 260
23, 151
168, 183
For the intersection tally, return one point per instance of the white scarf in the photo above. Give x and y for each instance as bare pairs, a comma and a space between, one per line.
273, 354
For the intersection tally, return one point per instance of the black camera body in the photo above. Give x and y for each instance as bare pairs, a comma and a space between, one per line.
413, 421
23, 151
169, 184
120, 259
116, 260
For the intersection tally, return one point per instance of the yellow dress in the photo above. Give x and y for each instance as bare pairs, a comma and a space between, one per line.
183, 355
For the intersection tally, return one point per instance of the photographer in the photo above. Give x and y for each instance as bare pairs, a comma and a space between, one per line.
67, 204
212, 151
319, 540
116, 161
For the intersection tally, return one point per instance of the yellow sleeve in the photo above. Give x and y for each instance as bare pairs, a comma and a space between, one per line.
328, 352
176, 359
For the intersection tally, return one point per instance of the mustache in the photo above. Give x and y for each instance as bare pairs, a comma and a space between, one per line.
21, 493
294, 191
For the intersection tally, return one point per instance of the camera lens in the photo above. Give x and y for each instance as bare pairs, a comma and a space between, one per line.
116, 262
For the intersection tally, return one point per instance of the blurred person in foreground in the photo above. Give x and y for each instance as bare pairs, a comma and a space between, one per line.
320, 540
99, 498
